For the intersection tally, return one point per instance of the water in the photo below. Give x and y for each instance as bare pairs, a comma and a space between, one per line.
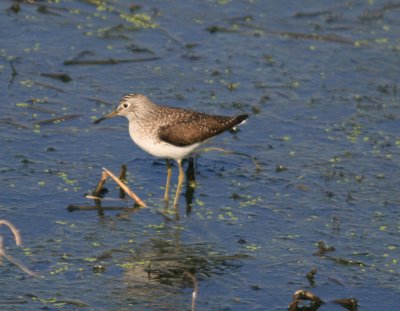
324, 128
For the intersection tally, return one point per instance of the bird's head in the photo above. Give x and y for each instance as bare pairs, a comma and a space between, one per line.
129, 104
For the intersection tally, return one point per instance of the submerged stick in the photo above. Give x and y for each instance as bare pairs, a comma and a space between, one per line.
58, 119
63, 77
125, 188
108, 61
74, 207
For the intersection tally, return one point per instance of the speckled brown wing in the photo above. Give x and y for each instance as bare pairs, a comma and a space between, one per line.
196, 127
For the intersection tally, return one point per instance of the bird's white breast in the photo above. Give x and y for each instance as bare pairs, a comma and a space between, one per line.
159, 148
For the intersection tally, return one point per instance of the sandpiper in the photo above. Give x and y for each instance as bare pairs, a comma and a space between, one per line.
170, 132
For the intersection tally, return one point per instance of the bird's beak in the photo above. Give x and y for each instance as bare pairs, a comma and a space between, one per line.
108, 116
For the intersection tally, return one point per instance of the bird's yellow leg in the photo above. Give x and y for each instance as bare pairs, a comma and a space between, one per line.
169, 172
181, 179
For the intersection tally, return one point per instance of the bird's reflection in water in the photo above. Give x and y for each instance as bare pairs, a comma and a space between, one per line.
190, 185
162, 272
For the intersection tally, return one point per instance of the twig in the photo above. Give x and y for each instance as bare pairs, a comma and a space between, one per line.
122, 177
17, 237
13, 229
18, 264
303, 295
125, 188
96, 193
93, 197
195, 288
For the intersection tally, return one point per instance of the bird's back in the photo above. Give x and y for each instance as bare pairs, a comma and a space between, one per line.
183, 127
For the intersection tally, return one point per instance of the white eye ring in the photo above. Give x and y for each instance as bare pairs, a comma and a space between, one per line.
125, 105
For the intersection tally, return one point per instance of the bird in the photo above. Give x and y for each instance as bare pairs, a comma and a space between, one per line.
170, 132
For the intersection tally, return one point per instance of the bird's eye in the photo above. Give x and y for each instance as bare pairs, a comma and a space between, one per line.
125, 105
